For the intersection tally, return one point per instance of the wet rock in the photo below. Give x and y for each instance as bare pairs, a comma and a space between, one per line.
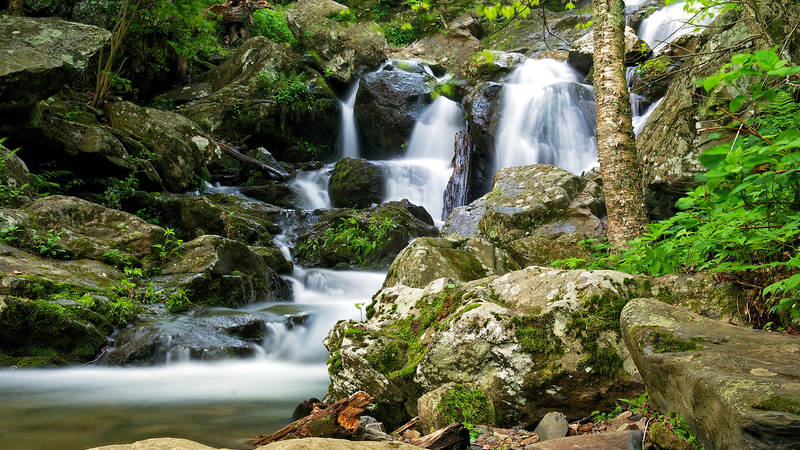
426, 259
342, 49
617, 440
495, 64
41, 55
482, 106
356, 183
388, 104
181, 148
735, 387
219, 271
182, 95
581, 53
552, 426
453, 50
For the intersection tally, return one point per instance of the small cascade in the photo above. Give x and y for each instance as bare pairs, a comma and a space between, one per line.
312, 187
348, 132
640, 107
640, 121
548, 118
422, 176
669, 23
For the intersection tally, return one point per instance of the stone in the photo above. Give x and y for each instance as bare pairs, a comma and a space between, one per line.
342, 49
430, 416
278, 194
660, 436
581, 53
615, 440
536, 35
41, 55
426, 259
462, 223
735, 387
100, 13
388, 104
356, 183
14, 173
221, 272
158, 444
335, 444
182, 149
454, 50
482, 106
182, 95
553, 425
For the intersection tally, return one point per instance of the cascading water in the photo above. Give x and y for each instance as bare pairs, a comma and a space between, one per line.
548, 118
668, 23
349, 133
422, 176
312, 187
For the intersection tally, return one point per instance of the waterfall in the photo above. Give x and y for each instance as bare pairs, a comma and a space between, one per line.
640, 121
669, 23
422, 175
348, 133
548, 118
312, 186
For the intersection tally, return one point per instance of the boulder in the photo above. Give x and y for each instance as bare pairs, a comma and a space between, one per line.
615, 440
157, 444
319, 247
552, 426
221, 272
453, 50
453, 403
388, 104
482, 106
735, 387
41, 55
426, 259
181, 149
275, 193
581, 54
356, 183
342, 49
495, 64
533, 340
100, 13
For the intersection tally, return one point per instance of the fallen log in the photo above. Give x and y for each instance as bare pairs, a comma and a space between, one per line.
275, 173
338, 420
452, 437
407, 426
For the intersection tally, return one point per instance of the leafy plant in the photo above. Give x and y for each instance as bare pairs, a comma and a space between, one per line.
361, 235
120, 191
179, 301
271, 23
171, 245
49, 245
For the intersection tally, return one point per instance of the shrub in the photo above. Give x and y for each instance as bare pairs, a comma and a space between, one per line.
271, 23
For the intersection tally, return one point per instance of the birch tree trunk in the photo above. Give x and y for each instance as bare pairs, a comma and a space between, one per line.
616, 144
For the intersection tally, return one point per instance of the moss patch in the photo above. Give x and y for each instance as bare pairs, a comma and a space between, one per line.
779, 403
663, 341
467, 406
535, 335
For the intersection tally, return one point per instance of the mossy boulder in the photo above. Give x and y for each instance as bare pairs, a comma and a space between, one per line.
735, 387
453, 50
14, 173
181, 149
356, 183
427, 259
218, 271
341, 49
41, 55
381, 232
454, 403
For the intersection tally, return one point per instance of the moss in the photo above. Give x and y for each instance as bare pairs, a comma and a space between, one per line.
389, 358
663, 341
600, 314
464, 264
779, 403
354, 332
535, 335
466, 406
602, 361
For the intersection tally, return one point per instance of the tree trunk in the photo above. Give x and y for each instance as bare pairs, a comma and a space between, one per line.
338, 420
616, 144
16, 7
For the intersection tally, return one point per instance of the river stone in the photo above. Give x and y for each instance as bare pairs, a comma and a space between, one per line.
388, 104
426, 259
581, 53
41, 55
182, 150
335, 444
356, 183
735, 387
342, 49
553, 425
220, 271
158, 444
615, 440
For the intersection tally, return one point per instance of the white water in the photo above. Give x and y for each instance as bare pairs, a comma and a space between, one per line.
349, 133
547, 118
640, 121
312, 186
422, 175
667, 24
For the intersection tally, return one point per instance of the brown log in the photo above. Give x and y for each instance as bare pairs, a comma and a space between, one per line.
452, 437
405, 427
273, 172
321, 423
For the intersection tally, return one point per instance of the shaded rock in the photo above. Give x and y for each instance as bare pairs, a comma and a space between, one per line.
581, 54
305, 407
552, 426
426, 259
220, 271
181, 148
343, 49
482, 106
388, 104
356, 183
278, 194
14, 173
100, 13
494, 64
735, 387
41, 55
534, 36
453, 50
182, 95
615, 440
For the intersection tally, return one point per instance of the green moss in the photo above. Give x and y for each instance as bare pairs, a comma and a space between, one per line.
779, 403
600, 314
467, 406
535, 335
662, 341
603, 361
389, 358
354, 332
464, 264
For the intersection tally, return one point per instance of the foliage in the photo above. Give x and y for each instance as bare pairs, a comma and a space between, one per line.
178, 301
745, 219
49, 245
345, 15
171, 245
466, 406
360, 234
417, 23
271, 23
653, 66
120, 191
521, 9
8, 193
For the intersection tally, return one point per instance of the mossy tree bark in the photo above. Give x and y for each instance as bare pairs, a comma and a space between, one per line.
16, 7
616, 144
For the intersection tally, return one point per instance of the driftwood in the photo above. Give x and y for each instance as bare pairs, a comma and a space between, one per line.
407, 426
451, 437
275, 173
338, 420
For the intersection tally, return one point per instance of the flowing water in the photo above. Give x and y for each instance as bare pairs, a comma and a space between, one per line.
348, 131
312, 187
670, 22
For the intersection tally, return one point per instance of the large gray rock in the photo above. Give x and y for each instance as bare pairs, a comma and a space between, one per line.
41, 55
356, 183
388, 104
343, 49
181, 148
615, 440
735, 387
581, 55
